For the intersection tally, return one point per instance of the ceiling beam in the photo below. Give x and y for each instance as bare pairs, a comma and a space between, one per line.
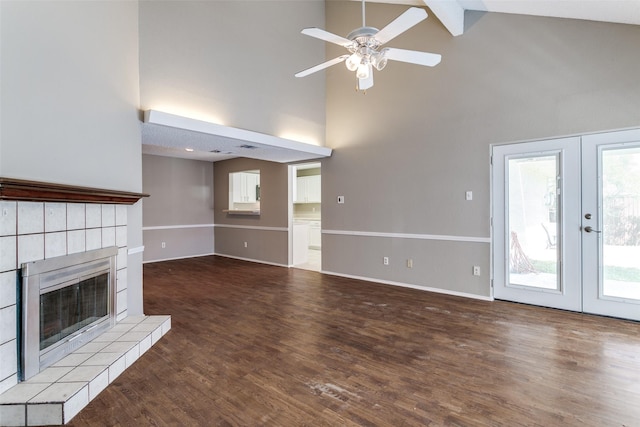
450, 13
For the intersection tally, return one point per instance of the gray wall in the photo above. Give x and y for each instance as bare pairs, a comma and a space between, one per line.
266, 235
406, 152
179, 211
69, 102
233, 62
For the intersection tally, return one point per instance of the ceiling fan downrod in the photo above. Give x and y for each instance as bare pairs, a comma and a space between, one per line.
363, 20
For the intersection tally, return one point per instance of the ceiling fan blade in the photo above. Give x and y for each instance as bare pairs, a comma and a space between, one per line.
401, 24
326, 36
322, 66
412, 56
364, 84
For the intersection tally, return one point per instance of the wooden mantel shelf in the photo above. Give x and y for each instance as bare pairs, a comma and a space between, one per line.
34, 191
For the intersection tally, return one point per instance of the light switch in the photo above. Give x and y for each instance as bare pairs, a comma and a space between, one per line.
468, 195
340, 199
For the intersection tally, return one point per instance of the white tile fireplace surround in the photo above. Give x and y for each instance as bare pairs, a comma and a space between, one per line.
32, 231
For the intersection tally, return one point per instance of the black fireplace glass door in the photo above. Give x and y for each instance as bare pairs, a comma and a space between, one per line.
72, 308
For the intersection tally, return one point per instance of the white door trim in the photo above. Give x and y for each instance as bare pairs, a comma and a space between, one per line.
569, 296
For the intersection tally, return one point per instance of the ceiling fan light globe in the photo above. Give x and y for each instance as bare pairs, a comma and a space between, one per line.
379, 61
363, 71
353, 62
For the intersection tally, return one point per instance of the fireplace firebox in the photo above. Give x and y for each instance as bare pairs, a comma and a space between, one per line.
65, 302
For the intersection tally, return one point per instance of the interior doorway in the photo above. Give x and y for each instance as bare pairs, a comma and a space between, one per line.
306, 218
566, 218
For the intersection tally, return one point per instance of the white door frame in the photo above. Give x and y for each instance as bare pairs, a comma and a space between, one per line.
569, 294
594, 300
581, 251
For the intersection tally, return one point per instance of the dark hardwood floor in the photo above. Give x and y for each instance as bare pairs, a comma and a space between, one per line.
253, 345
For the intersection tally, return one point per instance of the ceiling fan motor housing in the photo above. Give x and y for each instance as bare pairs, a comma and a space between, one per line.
365, 47
364, 36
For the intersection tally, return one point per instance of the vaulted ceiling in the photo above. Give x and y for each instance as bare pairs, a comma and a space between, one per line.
171, 141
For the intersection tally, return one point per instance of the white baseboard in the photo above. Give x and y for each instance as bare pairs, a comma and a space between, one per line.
175, 258
252, 260
409, 285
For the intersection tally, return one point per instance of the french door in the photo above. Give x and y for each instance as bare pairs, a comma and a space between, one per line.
566, 223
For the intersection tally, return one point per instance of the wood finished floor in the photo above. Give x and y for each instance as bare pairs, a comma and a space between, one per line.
258, 345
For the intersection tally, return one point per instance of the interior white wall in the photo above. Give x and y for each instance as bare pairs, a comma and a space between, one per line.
70, 93
70, 98
134, 259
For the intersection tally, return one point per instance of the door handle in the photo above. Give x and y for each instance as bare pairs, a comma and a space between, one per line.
589, 229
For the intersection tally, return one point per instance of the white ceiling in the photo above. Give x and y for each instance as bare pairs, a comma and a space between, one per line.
172, 141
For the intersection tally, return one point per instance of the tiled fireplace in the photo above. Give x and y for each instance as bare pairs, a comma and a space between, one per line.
31, 231
50, 223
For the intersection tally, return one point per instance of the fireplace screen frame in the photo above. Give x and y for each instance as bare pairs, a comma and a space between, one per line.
44, 276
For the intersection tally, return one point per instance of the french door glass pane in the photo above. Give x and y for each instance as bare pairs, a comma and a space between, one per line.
621, 223
533, 218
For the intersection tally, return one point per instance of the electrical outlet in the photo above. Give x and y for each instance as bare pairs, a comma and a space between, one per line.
409, 263
164, 245
476, 270
385, 260
245, 244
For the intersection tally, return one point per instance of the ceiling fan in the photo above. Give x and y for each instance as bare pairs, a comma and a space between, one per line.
364, 46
